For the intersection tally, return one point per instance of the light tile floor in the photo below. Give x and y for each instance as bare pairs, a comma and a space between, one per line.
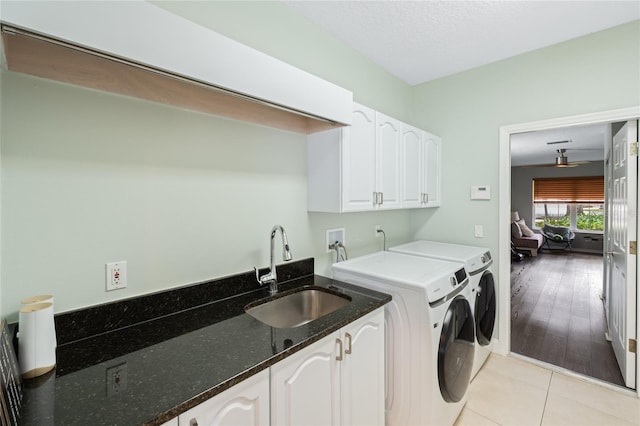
512, 392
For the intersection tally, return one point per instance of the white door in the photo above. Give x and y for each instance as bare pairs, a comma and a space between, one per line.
412, 165
608, 245
622, 264
245, 404
388, 161
363, 372
432, 170
359, 161
305, 388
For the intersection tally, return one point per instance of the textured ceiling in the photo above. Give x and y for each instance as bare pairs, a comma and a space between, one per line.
418, 41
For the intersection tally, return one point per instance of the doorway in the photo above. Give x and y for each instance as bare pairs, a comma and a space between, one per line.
504, 345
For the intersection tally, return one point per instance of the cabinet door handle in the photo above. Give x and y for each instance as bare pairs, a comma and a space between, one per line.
348, 337
375, 198
339, 356
193, 422
381, 198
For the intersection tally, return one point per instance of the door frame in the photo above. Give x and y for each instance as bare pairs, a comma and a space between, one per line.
503, 346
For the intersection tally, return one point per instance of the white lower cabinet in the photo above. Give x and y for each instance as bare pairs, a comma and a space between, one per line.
336, 381
245, 404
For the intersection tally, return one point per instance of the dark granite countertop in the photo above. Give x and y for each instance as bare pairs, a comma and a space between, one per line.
171, 362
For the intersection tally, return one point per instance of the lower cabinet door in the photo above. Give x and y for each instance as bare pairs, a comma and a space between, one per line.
363, 373
305, 388
245, 404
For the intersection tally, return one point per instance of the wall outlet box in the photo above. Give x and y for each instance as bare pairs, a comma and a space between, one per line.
116, 379
333, 236
116, 275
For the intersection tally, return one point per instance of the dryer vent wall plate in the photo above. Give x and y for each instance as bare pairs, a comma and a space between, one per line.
480, 192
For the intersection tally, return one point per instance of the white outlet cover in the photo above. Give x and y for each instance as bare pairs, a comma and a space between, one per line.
116, 275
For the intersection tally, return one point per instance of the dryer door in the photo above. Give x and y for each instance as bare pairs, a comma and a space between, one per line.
456, 349
485, 309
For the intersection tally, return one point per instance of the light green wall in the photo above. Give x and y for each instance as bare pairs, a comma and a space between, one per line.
90, 178
598, 72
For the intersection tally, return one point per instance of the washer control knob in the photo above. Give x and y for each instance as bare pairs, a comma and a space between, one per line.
453, 281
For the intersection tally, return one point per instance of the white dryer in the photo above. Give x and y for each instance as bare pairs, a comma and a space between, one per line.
429, 333
478, 262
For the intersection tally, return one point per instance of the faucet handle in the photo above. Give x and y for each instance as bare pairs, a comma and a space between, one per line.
267, 278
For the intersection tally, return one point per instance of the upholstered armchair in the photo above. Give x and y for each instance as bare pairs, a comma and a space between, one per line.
523, 238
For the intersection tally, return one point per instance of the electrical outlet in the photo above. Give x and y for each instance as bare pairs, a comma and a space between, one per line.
334, 235
116, 276
479, 231
376, 231
116, 379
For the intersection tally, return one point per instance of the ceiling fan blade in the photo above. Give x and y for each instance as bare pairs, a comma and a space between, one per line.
534, 166
560, 166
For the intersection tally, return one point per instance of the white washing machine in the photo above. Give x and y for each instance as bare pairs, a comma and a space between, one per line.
479, 263
429, 333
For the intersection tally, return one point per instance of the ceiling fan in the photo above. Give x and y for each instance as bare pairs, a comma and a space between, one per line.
561, 161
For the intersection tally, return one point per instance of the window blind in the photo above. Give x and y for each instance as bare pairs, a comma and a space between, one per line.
572, 190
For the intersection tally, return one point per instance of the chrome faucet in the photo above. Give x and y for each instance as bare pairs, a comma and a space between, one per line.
271, 277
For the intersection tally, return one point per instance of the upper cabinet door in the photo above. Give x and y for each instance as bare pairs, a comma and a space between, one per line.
359, 161
388, 136
412, 156
432, 183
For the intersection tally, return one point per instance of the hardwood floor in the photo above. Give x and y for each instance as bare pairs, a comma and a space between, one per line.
557, 315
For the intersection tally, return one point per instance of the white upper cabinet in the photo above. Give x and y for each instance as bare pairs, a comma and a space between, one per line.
421, 168
431, 176
359, 161
123, 39
413, 163
388, 136
377, 163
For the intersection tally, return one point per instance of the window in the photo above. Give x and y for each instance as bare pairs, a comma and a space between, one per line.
576, 202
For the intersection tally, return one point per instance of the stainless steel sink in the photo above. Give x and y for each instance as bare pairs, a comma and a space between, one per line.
293, 309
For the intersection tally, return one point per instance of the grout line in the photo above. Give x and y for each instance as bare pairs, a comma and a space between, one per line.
546, 398
482, 415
